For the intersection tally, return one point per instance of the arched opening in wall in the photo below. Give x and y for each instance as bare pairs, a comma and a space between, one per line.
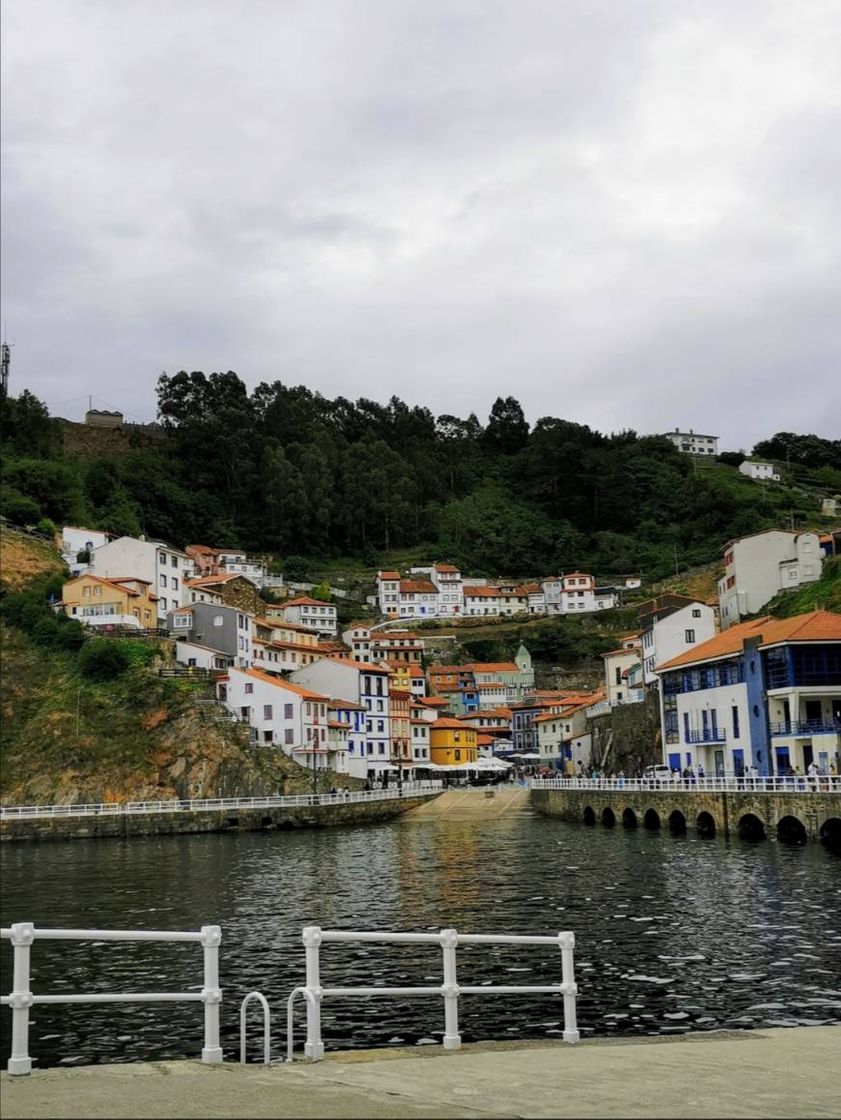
831, 833
790, 830
705, 824
629, 818
750, 827
608, 817
651, 819
589, 816
677, 823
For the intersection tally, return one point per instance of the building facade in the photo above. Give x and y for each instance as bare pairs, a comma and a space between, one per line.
758, 567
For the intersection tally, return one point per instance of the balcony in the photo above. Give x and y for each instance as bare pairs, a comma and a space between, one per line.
807, 727
710, 735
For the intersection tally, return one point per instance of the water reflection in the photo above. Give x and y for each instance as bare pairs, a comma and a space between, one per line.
674, 933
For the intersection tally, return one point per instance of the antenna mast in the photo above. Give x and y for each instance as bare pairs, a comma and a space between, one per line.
5, 362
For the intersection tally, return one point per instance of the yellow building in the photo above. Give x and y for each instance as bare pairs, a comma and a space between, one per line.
110, 602
452, 742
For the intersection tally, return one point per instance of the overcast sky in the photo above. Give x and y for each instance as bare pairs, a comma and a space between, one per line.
623, 212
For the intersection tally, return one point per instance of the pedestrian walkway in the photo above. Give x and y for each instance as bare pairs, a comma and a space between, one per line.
773, 1073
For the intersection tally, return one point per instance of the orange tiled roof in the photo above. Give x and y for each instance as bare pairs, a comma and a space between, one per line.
279, 682
493, 667
447, 724
816, 626
481, 593
388, 575
446, 568
417, 587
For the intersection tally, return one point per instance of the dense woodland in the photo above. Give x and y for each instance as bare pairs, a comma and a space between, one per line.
285, 471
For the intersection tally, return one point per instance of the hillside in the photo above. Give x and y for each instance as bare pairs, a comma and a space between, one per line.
23, 557
824, 594
140, 737
307, 481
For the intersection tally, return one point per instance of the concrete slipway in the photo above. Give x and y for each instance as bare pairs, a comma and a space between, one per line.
770, 1073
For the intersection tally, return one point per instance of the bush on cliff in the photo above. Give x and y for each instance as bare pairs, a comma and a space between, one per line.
104, 659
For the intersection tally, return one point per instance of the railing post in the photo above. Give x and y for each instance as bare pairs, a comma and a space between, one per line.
566, 942
449, 989
211, 994
23, 934
313, 1047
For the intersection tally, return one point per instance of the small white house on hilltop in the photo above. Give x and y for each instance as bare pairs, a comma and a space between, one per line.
758, 471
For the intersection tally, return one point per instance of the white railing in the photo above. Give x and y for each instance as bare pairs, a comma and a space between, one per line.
450, 990
114, 808
819, 783
20, 999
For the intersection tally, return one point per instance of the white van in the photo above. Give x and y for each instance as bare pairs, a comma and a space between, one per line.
660, 773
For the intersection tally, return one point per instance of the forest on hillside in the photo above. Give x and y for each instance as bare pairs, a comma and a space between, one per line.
285, 471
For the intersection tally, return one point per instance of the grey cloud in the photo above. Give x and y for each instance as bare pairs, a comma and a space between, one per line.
624, 214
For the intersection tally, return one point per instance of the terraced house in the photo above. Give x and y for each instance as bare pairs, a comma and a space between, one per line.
764, 693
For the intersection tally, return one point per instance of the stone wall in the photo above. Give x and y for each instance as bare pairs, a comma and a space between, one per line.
225, 820
732, 813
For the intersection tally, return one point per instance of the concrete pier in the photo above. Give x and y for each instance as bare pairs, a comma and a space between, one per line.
788, 1073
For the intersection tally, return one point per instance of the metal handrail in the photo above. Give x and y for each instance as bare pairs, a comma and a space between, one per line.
798, 783
267, 1027
114, 808
450, 990
20, 999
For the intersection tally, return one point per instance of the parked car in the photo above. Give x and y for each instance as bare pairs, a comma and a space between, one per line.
660, 773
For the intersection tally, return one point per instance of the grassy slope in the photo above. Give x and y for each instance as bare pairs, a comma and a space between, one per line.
824, 594
23, 557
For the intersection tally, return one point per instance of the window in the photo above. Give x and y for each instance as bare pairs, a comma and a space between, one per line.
173, 560
174, 584
249, 687
287, 711
735, 714
686, 726
162, 580
696, 613
288, 735
458, 755
618, 672
690, 636
218, 620
162, 602
267, 711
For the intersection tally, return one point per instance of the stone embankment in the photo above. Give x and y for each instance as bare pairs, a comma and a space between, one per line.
165, 823
786, 815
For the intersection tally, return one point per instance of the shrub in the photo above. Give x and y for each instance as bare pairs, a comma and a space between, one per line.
45, 631
47, 527
19, 509
295, 568
103, 659
71, 635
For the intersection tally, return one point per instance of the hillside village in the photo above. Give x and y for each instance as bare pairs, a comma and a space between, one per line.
373, 700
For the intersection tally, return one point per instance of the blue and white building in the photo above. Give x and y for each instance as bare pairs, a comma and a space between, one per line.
763, 694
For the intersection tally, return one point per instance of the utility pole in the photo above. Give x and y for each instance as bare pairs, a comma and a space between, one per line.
677, 570
78, 710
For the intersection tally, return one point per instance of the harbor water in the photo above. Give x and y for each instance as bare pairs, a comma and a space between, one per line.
674, 933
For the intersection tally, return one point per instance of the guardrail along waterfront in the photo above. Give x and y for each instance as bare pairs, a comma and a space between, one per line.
449, 990
21, 998
22, 935
791, 809
138, 818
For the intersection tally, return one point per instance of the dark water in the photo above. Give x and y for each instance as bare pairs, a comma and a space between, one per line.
673, 933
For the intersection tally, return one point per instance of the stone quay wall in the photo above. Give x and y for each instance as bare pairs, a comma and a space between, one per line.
208, 820
786, 815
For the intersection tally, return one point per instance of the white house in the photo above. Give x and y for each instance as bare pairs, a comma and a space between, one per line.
75, 539
280, 713
670, 626
481, 601
236, 562
167, 569
197, 656
757, 567
313, 614
763, 694
420, 719
361, 683
447, 579
693, 443
759, 471
358, 639
578, 593
617, 665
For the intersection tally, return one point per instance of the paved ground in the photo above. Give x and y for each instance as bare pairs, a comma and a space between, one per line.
775, 1073
472, 804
